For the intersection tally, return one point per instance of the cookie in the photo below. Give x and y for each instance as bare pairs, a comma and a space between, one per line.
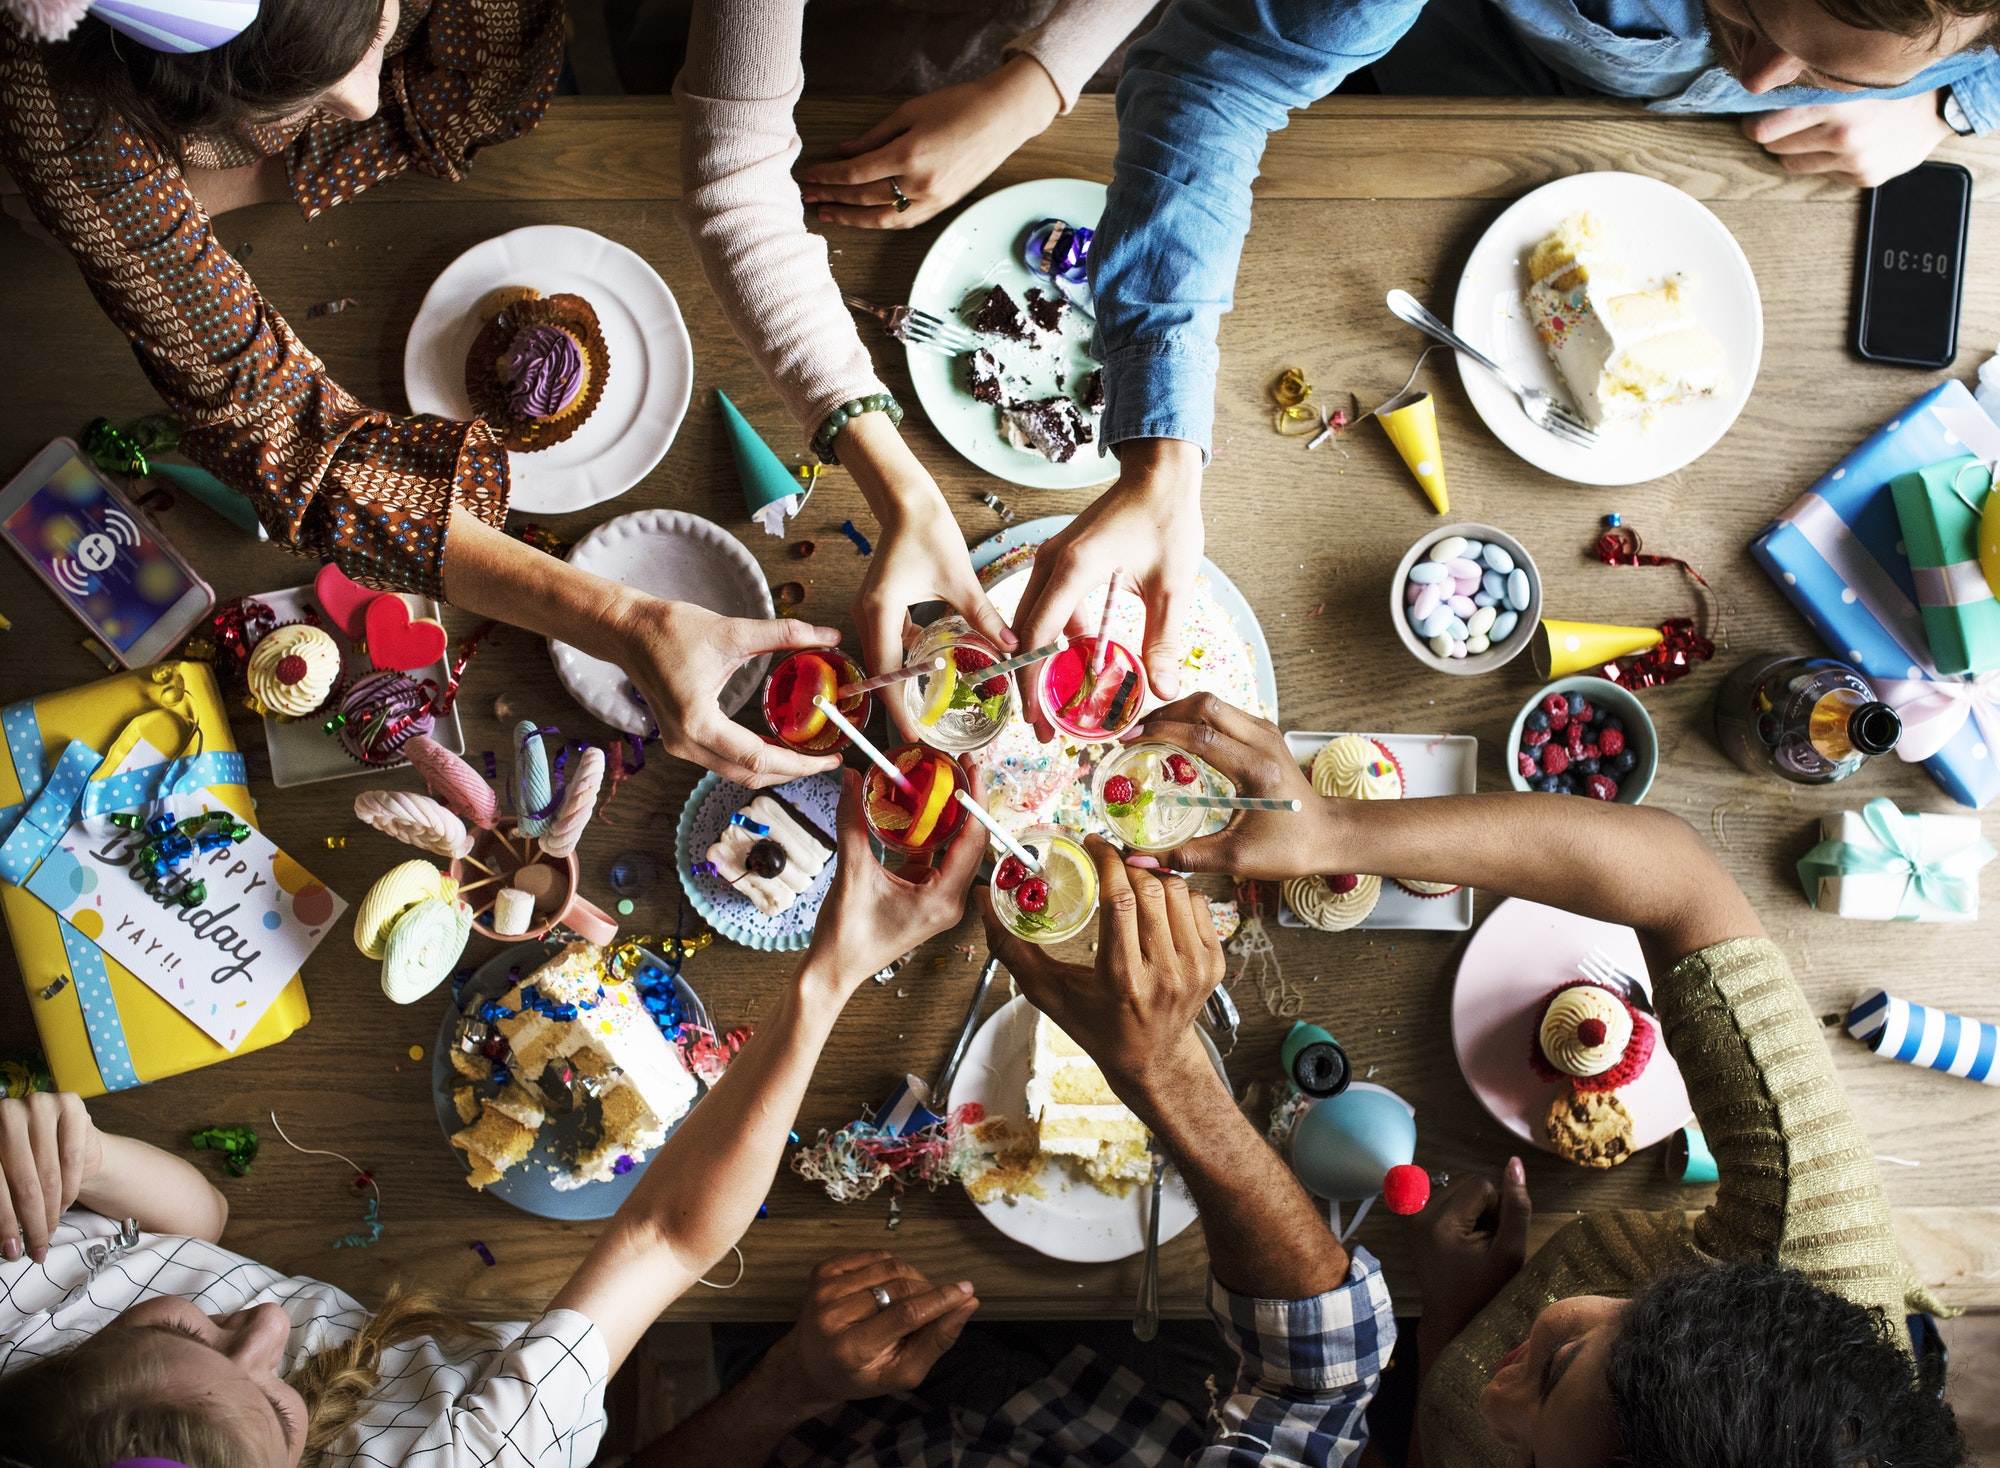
1591, 1129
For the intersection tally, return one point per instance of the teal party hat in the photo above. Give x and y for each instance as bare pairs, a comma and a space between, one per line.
771, 491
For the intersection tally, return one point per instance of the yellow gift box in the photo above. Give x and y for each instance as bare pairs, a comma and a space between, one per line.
103, 1029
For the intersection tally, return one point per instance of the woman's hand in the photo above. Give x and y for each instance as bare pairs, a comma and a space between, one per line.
848, 1346
873, 916
49, 1151
679, 656
937, 148
1468, 1244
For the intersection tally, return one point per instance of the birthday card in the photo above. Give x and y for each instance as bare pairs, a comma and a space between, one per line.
221, 961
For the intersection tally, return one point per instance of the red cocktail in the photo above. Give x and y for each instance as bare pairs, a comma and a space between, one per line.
923, 813
794, 684
1093, 703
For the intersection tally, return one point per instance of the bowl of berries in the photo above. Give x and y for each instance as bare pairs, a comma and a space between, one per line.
1584, 736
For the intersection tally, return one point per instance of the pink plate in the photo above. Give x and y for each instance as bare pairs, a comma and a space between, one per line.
1520, 952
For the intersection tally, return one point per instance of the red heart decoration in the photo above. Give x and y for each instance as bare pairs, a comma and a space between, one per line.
344, 600
397, 641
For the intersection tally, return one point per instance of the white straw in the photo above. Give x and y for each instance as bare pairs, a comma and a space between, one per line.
861, 741
896, 675
1013, 664
1104, 622
1019, 852
1231, 802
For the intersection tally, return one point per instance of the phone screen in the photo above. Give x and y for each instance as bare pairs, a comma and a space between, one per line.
102, 557
1915, 242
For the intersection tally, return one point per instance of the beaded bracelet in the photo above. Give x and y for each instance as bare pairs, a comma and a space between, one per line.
840, 417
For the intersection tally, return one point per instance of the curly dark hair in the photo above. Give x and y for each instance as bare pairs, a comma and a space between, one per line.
1752, 1365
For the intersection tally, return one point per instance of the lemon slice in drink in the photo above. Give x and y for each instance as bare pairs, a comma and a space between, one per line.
943, 686
935, 800
1067, 869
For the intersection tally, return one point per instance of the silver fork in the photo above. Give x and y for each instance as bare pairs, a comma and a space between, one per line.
1146, 1319
1600, 968
919, 327
1543, 410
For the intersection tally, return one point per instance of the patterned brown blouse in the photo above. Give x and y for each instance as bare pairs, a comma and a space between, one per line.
330, 477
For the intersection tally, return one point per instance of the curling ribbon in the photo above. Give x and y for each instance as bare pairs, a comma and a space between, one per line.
1681, 647
1619, 546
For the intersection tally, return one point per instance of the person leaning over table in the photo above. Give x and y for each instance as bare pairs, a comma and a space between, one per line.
1771, 1330
741, 205
125, 153
178, 1348
1861, 90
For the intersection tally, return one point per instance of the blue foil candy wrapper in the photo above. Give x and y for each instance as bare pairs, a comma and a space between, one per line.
1059, 250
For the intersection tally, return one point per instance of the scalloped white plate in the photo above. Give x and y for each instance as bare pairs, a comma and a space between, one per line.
680, 557
708, 809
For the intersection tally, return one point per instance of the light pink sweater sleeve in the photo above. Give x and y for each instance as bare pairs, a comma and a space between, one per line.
1073, 42
741, 206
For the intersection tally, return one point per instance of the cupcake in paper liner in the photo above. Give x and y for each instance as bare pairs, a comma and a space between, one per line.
1592, 1037
1354, 767
1332, 904
378, 714
537, 368
1427, 890
292, 670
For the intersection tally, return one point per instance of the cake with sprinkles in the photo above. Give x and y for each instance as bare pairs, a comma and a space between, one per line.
537, 368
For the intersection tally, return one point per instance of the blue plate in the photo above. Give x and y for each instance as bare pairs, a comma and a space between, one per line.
527, 1184
709, 806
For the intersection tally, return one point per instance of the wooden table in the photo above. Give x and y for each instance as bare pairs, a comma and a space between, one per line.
1359, 196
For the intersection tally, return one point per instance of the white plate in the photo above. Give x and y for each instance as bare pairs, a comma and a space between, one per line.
982, 247
303, 753
680, 557
1663, 232
1433, 764
645, 391
1073, 1221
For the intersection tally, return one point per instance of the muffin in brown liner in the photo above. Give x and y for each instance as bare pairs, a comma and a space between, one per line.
516, 308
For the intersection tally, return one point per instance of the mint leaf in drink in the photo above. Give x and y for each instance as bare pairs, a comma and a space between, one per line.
994, 708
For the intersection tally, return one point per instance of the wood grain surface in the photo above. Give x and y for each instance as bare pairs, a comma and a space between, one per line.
1359, 196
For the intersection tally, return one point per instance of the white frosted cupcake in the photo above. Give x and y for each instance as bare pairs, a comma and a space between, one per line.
1353, 767
1332, 904
292, 669
1427, 889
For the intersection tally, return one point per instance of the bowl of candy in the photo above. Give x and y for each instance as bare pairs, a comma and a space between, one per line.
1584, 736
1466, 599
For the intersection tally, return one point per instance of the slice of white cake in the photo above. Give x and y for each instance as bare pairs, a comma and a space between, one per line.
774, 867
1078, 1117
1624, 348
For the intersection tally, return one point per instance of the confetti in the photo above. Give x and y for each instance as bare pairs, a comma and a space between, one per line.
330, 308
788, 593
997, 505
804, 549
416, 1052
53, 987
860, 541
237, 1144
483, 1252
370, 1232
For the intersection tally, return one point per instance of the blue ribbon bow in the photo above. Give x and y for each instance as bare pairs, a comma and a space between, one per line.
1947, 883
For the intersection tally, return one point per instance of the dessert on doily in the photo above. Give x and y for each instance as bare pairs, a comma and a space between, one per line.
292, 669
1078, 1119
770, 853
1332, 904
1019, 370
566, 1030
1625, 348
1596, 1042
538, 366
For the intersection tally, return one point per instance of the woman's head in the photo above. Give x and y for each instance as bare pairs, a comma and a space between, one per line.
1726, 1366
295, 56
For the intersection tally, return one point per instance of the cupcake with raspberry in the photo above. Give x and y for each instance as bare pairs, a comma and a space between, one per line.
1355, 767
537, 368
1332, 904
1591, 1037
292, 670
1427, 890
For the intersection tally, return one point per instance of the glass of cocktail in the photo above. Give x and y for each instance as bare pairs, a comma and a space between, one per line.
957, 710
1093, 689
1051, 904
1141, 791
788, 699
922, 812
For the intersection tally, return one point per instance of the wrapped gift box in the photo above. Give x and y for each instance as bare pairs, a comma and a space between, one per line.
1880, 863
1939, 509
1836, 553
101, 1027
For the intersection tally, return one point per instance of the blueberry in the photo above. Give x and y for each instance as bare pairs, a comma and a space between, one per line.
1576, 703
1615, 723
1539, 719
1622, 762
1591, 766
1546, 784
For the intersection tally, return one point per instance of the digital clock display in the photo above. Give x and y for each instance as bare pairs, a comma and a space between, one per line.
1914, 259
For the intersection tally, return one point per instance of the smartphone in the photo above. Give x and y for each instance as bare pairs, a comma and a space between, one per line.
101, 558
1913, 265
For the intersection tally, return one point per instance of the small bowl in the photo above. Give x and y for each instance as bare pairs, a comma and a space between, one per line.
1494, 657
1640, 736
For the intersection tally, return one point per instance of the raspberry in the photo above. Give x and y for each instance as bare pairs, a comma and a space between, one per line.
1601, 787
1591, 1031
1180, 769
1593, 751
1343, 882
1555, 703
1575, 741
993, 687
1535, 738
1525, 763
291, 668
969, 659
1009, 873
1555, 759
1118, 790
1611, 742
1033, 896
1558, 719
1584, 713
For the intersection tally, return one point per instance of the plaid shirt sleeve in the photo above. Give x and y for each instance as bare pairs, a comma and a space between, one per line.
1309, 1370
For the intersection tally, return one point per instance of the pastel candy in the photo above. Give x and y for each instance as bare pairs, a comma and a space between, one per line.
1494, 584
1457, 648
1461, 568
1473, 549
1496, 556
513, 912
534, 789
1435, 623
1484, 599
395, 892
1503, 625
452, 780
1455, 630
1480, 623
423, 948
1411, 591
579, 804
1476, 644
415, 820
1427, 602
1517, 589
1427, 571
1461, 606
1451, 548
1441, 645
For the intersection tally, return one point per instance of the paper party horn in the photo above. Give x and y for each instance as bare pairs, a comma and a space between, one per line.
771, 491
1561, 648
1919, 1035
1410, 420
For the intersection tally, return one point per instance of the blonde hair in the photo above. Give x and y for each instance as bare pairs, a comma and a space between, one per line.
99, 1401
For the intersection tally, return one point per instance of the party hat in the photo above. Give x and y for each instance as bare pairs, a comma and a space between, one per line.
1561, 648
1410, 420
1343, 1146
771, 491
186, 26
1989, 543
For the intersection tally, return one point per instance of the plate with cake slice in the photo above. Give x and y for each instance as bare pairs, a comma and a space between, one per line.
1625, 298
756, 863
1024, 404
1066, 1167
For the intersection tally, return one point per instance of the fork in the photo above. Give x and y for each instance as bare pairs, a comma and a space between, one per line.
1600, 968
1542, 409
1146, 1319
919, 327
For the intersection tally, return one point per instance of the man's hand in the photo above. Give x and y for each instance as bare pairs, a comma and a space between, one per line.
49, 1151
848, 1346
1468, 1243
1158, 960
1149, 524
1863, 142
